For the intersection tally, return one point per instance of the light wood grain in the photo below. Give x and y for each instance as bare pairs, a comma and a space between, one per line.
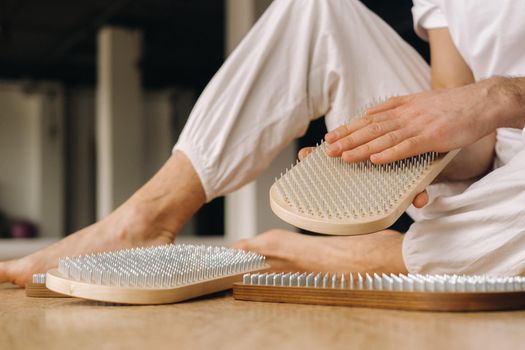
219, 322
438, 301
39, 290
140, 296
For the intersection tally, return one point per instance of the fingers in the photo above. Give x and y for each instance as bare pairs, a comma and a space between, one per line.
359, 132
407, 148
420, 200
391, 103
347, 129
370, 134
377, 114
373, 147
304, 152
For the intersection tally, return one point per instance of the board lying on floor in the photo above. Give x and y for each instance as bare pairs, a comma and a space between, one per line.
153, 275
37, 288
404, 292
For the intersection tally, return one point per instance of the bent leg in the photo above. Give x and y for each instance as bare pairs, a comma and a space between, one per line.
302, 60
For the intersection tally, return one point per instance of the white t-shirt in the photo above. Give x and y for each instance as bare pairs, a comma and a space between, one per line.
490, 36
480, 226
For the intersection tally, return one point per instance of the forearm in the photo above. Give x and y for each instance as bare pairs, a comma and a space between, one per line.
474, 160
507, 96
471, 162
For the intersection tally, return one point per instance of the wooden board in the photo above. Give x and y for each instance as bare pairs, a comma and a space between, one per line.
362, 225
139, 296
39, 290
422, 301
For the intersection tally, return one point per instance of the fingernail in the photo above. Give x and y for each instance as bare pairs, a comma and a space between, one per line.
348, 156
328, 138
374, 158
334, 147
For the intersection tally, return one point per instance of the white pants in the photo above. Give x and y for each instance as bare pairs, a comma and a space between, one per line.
302, 60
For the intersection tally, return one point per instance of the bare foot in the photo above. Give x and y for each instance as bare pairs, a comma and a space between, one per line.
152, 216
122, 229
290, 251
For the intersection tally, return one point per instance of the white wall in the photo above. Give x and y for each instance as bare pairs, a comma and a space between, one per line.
158, 136
161, 109
32, 179
31, 154
119, 117
240, 17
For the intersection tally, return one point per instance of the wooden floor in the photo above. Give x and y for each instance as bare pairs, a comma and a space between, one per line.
219, 322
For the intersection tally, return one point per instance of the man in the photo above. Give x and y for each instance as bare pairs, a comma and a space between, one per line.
308, 58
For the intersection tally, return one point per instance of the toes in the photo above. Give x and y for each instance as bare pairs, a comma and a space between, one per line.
10, 274
3, 273
241, 245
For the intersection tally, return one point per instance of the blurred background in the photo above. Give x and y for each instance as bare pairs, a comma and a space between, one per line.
93, 95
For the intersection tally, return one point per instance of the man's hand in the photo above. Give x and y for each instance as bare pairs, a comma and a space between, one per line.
439, 121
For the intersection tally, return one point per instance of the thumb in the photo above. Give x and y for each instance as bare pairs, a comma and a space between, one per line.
304, 152
420, 200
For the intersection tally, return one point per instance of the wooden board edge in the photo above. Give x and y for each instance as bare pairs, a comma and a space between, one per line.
412, 301
39, 290
141, 296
